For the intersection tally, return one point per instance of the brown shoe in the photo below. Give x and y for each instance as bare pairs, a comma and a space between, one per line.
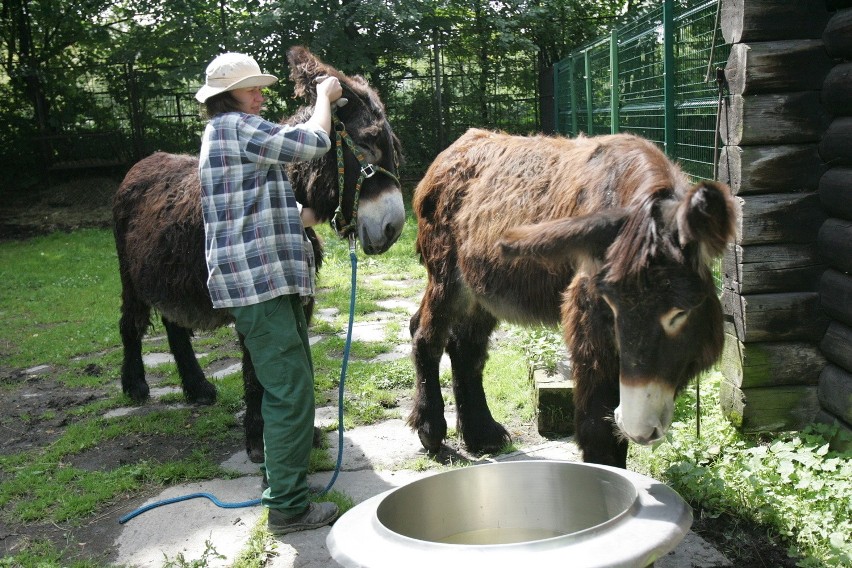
317, 515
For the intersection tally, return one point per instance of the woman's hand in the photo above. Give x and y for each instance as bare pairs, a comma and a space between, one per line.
328, 91
329, 87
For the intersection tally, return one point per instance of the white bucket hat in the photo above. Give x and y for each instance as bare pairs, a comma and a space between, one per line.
231, 71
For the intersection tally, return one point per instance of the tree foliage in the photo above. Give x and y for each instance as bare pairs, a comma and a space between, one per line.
48, 46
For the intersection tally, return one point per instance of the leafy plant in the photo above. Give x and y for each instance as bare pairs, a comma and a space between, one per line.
791, 483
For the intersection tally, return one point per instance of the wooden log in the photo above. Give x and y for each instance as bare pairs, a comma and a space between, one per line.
780, 218
834, 243
767, 364
789, 118
841, 441
768, 20
790, 316
836, 345
835, 289
835, 192
771, 169
838, 35
835, 392
772, 268
837, 90
769, 409
776, 66
836, 145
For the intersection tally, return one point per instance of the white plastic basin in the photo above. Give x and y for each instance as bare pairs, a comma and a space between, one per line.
545, 513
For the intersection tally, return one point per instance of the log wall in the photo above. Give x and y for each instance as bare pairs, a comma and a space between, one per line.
773, 125
834, 240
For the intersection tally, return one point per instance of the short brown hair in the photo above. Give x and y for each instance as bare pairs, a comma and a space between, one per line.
219, 104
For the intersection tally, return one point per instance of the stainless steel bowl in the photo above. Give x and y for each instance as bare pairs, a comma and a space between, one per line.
546, 512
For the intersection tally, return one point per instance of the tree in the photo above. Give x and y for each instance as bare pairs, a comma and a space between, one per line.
39, 39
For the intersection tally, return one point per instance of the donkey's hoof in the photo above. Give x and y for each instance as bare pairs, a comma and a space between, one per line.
488, 440
203, 394
429, 445
255, 454
431, 441
137, 393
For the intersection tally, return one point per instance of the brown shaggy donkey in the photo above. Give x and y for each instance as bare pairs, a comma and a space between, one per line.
602, 235
159, 234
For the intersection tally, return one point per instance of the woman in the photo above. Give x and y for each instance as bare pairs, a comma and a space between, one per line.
261, 265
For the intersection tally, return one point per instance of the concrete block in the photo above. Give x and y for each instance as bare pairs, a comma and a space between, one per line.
554, 404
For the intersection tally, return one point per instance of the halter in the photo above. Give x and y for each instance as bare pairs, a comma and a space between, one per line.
368, 170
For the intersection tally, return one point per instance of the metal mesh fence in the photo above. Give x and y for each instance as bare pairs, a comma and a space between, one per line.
119, 114
654, 77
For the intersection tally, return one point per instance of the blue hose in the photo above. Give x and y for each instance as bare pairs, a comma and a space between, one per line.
251, 503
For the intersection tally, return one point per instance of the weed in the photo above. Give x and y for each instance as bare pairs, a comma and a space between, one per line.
210, 553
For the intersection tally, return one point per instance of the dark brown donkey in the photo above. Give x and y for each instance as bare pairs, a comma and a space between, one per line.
602, 235
159, 234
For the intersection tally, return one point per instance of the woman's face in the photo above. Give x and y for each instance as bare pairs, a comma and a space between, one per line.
250, 99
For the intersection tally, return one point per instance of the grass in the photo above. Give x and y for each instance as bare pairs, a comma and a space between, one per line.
60, 297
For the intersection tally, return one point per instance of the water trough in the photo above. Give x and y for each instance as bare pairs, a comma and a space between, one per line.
545, 513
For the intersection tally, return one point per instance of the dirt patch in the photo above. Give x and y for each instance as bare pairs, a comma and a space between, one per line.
76, 203
35, 410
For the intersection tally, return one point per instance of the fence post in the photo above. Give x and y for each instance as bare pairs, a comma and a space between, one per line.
573, 81
137, 128
557, 116
613, 82
669, 78
590, 115
439, 103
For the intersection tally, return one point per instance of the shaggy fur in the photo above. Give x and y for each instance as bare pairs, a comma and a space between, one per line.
601, 235
159, 235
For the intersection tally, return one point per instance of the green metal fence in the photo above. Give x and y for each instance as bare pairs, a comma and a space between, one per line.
655, 77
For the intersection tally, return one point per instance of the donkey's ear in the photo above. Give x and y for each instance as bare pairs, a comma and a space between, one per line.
305, 67
706, 219
564, 240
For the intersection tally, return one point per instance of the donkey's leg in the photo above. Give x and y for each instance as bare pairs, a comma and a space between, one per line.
253, 419
195, 387
468, 349
135, 319
429, 327
594, 360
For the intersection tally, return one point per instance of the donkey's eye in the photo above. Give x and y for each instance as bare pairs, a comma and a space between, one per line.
673, 321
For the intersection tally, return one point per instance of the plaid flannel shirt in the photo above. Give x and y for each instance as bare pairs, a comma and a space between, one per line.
255, 243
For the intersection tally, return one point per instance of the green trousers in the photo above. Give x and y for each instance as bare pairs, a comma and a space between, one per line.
276, 336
